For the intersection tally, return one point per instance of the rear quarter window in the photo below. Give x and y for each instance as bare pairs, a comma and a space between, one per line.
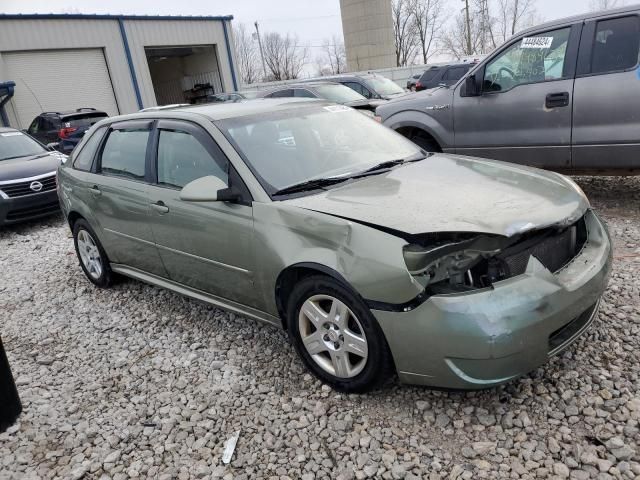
83, 159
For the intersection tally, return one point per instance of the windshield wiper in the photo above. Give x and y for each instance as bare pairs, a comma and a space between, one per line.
390, 164
314, 184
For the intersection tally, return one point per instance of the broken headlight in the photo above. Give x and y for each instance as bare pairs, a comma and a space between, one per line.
460, 265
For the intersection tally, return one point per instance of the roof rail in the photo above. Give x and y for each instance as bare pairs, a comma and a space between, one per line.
50, 113
85, 108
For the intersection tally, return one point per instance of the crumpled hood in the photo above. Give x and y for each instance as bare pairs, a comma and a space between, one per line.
32, 166
452, 193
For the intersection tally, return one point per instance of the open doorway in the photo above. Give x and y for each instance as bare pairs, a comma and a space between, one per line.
184, 74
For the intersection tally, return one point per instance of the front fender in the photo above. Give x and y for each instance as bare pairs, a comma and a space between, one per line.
368, 259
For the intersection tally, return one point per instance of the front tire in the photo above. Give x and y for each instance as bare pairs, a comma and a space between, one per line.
337, 337
91, 255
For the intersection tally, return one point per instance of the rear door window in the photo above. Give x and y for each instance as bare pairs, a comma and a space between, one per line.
124, 154
616, 45
303, 92
281, 93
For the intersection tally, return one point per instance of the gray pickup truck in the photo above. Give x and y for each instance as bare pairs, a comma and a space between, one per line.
564, 95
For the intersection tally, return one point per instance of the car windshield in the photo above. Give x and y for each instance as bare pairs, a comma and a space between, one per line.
14, 144
289, 147
338, 93
384, 86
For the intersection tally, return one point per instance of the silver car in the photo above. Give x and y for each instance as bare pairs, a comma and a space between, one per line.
564, 96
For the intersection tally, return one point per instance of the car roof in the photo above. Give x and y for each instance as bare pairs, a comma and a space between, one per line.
223, 111
577, 18
317, 83
68, 113
8, 129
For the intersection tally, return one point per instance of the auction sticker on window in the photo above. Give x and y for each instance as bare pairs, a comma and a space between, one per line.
536, 42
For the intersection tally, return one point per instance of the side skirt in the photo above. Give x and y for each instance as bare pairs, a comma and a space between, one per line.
223, 303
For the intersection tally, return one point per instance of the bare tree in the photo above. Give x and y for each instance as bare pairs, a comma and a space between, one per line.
404, 29
513, 16
463, 38
597, 5
334, 59
247, 54
284, 58
426, 16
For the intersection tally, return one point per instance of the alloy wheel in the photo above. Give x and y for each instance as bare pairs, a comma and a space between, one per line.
333, 336
89, 254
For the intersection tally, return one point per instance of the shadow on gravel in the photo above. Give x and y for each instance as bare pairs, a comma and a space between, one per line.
29, 227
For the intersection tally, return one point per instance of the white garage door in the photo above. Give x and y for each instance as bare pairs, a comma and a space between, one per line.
59, 80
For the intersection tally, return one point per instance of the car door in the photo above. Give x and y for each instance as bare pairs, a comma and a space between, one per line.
118, 187
606, 123
523, 112
204, 245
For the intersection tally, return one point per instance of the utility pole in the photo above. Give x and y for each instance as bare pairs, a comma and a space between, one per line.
264, 68
468, 21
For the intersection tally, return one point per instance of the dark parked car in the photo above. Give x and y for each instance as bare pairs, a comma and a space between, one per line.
27, 177
369, 85
442, 75
64, 128
411, 83
564, 95
334, 92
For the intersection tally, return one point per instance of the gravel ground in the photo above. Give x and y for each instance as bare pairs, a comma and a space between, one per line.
139, 382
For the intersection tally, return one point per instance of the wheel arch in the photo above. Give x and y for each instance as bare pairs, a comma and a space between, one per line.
419, 121
294, 273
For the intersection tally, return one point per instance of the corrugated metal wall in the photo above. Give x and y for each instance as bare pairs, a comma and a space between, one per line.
73, 33
50, 34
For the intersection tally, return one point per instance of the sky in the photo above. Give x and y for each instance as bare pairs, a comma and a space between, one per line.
312, 20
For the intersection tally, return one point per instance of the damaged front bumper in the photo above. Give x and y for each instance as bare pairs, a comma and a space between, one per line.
487, 337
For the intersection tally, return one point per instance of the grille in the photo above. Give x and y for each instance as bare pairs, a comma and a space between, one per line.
23, 213
553, 249
20, 189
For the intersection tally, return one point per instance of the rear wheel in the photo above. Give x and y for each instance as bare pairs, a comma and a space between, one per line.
93, 259
337, 337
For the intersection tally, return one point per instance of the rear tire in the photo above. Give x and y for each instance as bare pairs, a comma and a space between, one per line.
92, 257
337, 337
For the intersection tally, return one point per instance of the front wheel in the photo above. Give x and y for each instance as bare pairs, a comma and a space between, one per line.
337, 337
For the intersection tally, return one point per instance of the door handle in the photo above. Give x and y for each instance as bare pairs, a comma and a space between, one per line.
556, 100
95, 191
160, 207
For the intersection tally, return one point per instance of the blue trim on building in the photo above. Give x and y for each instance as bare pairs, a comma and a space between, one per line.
99, 16
230, 55
132, 70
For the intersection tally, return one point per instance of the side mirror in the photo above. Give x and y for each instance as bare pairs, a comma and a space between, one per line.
208, 189
471, 86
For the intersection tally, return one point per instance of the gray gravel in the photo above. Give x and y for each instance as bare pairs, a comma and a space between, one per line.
137, 382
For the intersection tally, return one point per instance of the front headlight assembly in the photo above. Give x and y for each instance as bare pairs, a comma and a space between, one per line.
459, 265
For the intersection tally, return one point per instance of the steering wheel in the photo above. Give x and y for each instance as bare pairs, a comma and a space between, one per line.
511, 73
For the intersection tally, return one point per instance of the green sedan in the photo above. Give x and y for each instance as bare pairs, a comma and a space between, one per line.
377, 258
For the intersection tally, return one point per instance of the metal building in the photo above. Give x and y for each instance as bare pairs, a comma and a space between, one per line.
367, 26
115, 63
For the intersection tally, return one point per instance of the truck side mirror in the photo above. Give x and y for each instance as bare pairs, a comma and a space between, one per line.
471, 86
